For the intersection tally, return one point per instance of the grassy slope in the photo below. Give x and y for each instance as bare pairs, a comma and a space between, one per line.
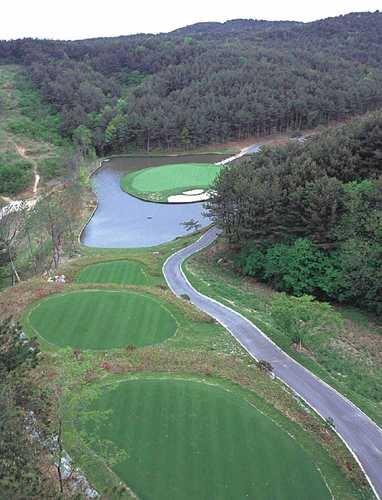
195, 440
351, 362
29, 130
157, 184
199, 348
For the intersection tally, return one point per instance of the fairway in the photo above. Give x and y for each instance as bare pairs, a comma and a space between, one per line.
95, 319
121, 272
192, 441
158, 183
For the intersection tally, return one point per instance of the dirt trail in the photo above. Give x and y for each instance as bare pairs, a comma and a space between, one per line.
15, 205
22, 152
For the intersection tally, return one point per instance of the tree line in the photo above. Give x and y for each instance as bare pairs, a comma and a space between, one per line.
307, 217
207, 83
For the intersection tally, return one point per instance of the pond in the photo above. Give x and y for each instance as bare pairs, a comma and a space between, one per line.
123, 221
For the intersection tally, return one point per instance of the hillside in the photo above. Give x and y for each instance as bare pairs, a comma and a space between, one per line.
31, 147
207, 83
35, 161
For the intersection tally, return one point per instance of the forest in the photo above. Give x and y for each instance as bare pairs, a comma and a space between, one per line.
206, 83
307, 217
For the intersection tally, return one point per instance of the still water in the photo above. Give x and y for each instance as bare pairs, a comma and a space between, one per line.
123, 221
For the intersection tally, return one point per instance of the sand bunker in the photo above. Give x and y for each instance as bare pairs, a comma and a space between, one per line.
194, 191
189, 196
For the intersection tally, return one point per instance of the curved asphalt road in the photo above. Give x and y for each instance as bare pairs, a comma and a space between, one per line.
361, 435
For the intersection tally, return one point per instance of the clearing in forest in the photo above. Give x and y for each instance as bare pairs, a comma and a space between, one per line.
101, 319
120, 272
161, 183
188, 439
31, 144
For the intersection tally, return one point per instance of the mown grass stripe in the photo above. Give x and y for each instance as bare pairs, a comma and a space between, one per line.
100, 319
121, 272
198, 441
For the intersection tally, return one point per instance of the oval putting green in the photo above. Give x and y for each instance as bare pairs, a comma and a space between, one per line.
192, 441
98, 319
121, 272
158, 183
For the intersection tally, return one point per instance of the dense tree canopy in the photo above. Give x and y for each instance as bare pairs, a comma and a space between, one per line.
309, 215
208, 82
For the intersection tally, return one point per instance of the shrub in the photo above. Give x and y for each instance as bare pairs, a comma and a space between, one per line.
297, 268
300, 268
15, 173
304, 318
265, 366
252, 262
51, 167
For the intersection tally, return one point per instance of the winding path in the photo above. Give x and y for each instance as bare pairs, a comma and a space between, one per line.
361, 435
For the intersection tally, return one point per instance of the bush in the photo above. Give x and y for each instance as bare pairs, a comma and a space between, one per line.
15, 174
299, 269
51, 167
252, 262
303, 318
265, 366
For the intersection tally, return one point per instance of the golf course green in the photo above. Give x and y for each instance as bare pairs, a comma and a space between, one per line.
120, 272
158, 183
189, 440
101, 319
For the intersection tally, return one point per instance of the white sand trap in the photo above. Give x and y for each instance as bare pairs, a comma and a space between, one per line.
194, 191
187, 198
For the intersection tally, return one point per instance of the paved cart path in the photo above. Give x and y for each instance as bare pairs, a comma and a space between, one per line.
361, 435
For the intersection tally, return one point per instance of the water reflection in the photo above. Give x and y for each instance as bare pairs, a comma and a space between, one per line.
123, 221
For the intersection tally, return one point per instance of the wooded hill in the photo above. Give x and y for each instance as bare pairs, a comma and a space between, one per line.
29, 135
207, 83
308, 216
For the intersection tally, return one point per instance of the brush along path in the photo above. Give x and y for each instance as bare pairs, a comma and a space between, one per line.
99, 319
159, 183
359, 432
187, 439
120, 272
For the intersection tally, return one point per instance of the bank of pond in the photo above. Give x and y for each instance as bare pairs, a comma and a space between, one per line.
122, 220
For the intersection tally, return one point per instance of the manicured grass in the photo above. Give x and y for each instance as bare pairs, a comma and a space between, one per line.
158, 183
199, 347
120, 272
186, 439
98, 319
347, 364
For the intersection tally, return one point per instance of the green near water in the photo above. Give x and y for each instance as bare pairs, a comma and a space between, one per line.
158, 183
